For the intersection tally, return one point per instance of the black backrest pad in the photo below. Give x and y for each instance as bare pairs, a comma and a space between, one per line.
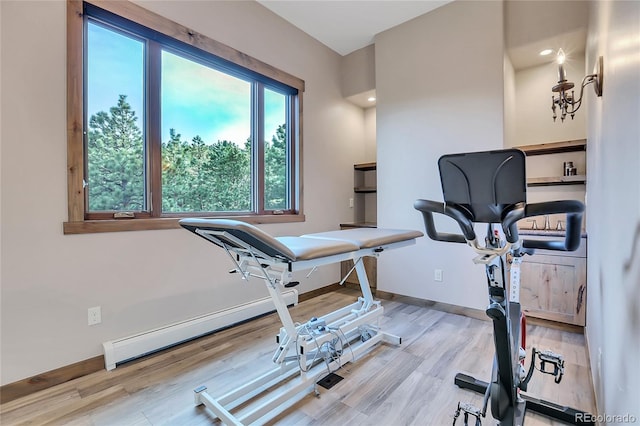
245, 232
484, 183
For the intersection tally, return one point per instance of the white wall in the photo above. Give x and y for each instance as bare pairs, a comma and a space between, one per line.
509, 103
370, 144
0, 193
613, 152
439, 81
358, 71
529, 21
150, 278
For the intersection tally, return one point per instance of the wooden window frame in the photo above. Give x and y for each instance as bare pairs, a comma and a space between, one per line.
79, 221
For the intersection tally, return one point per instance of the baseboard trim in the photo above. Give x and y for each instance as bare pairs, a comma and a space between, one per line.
302, 297
472, 312
51, 378
438, 306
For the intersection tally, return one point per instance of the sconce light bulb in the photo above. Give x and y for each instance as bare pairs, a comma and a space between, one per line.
562, 74
561, 57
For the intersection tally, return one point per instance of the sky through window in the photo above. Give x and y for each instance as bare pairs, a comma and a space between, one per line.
196, 100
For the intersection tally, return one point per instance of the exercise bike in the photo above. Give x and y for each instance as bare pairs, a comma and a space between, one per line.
490, 188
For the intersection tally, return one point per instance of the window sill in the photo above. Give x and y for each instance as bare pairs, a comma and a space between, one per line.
121, 225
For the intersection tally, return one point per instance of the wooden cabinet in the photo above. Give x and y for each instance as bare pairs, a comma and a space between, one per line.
554, 285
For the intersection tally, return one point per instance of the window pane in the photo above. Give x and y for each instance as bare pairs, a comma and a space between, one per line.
275, 151
206, 129
115, 99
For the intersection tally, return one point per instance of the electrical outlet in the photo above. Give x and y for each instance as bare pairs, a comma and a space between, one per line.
351, 202
94, 315
437, 274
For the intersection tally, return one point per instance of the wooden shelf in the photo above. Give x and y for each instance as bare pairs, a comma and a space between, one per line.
365, 167
358, 225
557, 180
554, 147
364, 189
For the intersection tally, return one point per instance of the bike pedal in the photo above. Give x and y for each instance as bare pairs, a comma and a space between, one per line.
467, 410
553, 359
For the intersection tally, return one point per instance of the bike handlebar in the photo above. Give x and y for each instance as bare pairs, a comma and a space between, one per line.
428, 207
573, 210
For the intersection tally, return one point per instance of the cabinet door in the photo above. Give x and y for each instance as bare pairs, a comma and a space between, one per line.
554, 288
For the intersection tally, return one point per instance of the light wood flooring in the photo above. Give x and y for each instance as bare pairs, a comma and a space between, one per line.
411, 384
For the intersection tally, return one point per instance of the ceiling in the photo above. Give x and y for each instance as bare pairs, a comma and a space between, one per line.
528, 55
348, 25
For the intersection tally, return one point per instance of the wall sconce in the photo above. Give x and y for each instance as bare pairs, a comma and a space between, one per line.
567, 103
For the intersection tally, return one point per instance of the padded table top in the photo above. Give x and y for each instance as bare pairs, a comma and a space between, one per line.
369, 237
237, 234
313, 248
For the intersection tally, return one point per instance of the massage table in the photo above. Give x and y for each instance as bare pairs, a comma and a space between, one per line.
307, 353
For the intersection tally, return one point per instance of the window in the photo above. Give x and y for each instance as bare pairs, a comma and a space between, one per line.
165, 127
206, 138
114, 114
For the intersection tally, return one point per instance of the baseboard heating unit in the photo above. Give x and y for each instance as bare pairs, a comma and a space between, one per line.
132, 347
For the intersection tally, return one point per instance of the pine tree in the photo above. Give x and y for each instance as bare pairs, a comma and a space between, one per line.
174, 173
230, 167
275, 170
115, 160
197, 177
